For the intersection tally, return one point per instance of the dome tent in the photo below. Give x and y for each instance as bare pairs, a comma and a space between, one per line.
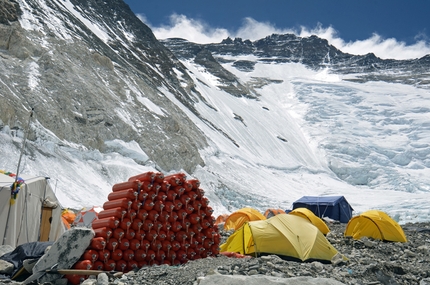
375, 224
311, 217
285, 235
273, 212
236, 219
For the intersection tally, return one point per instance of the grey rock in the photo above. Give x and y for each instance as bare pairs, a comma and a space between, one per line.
258, 280
62, 254
6, 267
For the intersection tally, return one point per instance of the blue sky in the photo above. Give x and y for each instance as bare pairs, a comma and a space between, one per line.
389, 28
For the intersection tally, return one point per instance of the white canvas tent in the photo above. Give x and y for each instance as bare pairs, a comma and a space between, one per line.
35, 214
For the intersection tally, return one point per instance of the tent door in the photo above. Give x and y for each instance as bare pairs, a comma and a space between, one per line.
45, 224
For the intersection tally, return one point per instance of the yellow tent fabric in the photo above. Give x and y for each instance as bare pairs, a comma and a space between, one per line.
311, 217
375, 224
236, 219
285, 235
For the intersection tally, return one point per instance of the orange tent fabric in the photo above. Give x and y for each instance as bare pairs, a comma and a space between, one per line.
221, 219
238, 218
273, 212
68, 217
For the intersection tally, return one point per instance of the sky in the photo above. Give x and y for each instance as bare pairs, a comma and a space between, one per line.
389, 28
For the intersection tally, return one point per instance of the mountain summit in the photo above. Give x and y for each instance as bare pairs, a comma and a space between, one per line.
110, 101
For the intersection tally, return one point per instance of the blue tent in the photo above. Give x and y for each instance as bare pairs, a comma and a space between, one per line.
334, 207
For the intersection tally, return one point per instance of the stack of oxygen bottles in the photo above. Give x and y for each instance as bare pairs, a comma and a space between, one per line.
151, 219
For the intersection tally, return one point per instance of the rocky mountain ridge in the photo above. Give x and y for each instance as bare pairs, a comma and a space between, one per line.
94, 73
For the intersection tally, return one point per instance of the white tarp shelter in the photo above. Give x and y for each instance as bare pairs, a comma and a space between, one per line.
35, 214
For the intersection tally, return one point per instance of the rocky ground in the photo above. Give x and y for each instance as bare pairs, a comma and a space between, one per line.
369, 262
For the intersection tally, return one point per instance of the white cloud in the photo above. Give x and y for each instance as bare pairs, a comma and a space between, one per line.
199, 32
381, 47
193, 30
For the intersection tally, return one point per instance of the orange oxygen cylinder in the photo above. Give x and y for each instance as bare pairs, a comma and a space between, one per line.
104, 255
109, 265
111, 222
188, 186
103, 232
132, 215
135, 185
132, 265
75, 279
164, 217
153, 215
128, 255
124, 244
134, 244
122, 203
112, 244
130, 234
136, 205
98, 265
116, 255
159, 177
171, 195
177, 204
193, 195
125, 224
148, 205
127, 193
176, 245
165, 186
83, 264
91, 254
146, 176
98, 243
137, 225
176, 226
173, 217
194, 182
160, 256
118, 234
118, 213
179, 190
140, 255
121, 265
142, 214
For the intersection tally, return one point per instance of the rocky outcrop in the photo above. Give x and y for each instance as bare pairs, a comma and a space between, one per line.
314, 52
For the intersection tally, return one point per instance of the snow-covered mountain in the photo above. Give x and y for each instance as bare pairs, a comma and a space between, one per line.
258, 123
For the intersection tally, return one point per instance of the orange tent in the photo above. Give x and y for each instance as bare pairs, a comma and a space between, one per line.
238, 218
273, 212
68, 217
221, 219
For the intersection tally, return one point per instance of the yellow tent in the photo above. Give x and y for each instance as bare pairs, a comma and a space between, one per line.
238, 218
375, 224
311, 217
286, 235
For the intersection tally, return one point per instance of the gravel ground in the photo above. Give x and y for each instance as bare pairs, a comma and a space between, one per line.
369, 262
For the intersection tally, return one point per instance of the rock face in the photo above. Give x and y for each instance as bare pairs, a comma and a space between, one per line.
314, 52
81, 84
93, 72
